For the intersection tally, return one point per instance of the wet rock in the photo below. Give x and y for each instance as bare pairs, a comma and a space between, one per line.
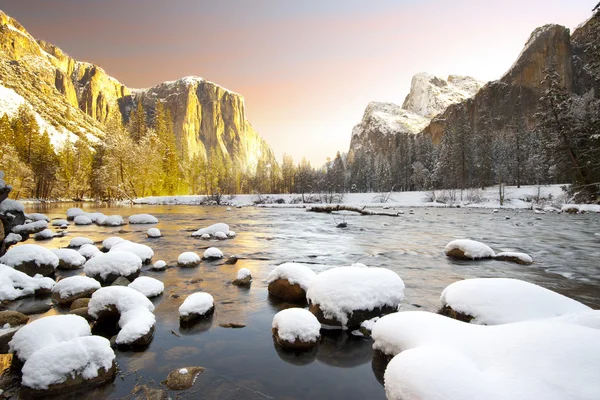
183, 378
519, 258
449, 312
82, 312
233, 325
13, 318
79, 303
283, 289
192, 317
38, 308
67, 301
121, 281
354, 318
231, 260
295, 345
145, 392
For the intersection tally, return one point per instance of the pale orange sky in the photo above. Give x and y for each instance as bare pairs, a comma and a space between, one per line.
307, 68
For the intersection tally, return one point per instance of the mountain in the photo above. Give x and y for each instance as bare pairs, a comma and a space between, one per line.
73, 99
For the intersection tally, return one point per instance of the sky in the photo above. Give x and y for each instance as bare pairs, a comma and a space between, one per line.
307, 68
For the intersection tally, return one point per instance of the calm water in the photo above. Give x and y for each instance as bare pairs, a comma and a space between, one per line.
566, 249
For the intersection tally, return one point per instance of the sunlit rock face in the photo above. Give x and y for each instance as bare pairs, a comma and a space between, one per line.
77, 99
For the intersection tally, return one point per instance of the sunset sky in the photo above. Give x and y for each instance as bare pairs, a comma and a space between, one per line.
306, 68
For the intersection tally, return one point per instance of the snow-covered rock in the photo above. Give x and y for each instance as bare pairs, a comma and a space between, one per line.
493, 301
31, 259
347, 296
519, 258
221, 235
212, 253
153, 233
147, 286
218, 230
160, 265
60, 222
143, 219
145, 253
69, 259
89, 251
109, 242
82, 220
196, 306
65, 366
12, 238
37, 217
69, 289
46, 332
109, 220
188, 259
16, 284
439, 358
30, 228
136, 319
466, 249
107, 267
80, 241
243, 278
296, 328
43, 235
290, 281
74, 212
10, 205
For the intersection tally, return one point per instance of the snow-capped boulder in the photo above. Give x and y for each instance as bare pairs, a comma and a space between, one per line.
107, 267
347, 296
437, 358
212, 253
290, 281
46, 234
60, 222
64, 367
296, 328
160, 265
188, 259
12, 238
69, 259
16, 284
79, 241
153, 233
109, 242
243, 278
11, 206
205, 236
110, 220
30, 228
183, 378
82, 220
221, 235
67, 290
519, 258
143, 219
466, 249
74, 212
144, 252
219, 230
37, 217
88, 251
493, 301
196, 306
31, 259
134, 310
147, 286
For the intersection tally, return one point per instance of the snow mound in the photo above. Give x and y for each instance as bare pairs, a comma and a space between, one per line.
16, 284
9, 205
159, 265
82, 220
439, 358
221, 235
69, 258
136, 317
89, 251
213, 252
143, 219
196, 303
26, 253
339, 292
520, 258
144, 252
216, 230
60, 222
109, 220
153, 233
297, 324
493, 301
147, 286
294, 273
73, 285
471, 249
109, 242
80, 241
37, 217
29, 228
188, 258
83, 356
46, 332
118, 263
74, 212
43, 235
243, 273
12, 238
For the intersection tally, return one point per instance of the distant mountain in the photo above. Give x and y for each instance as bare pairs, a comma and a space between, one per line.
72, 99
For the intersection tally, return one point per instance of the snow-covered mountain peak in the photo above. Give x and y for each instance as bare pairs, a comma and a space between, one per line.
389, 118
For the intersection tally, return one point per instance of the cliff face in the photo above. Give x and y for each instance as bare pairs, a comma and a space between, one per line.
77, 98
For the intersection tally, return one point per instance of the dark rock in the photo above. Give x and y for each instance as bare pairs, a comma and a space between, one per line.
509, 258
81, 302
4, 340
243, 282
13, 318
192, 318
66, 301
179, 381
233, 325
82, 312
449, 312
38, 308
285, 290
231, 260
355, 318
295, 345
32, 268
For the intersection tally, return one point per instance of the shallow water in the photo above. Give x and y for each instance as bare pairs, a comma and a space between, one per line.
245, 363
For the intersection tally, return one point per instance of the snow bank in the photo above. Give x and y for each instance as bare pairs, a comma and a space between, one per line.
119, 263
37, 217
213, 252
26, 253
581, 208
69, 258
153, 233
46, 332
493, 301
89, 251
136, 317
80, 241
339, 292
109, 242
196, 304
60, 222
143, 219
83, 356
74, 212
160, 265
297, 324
16, 284
211, 230
470, 249
74, 285
82, 220
144, 252
441, 358
147, 286
294, 273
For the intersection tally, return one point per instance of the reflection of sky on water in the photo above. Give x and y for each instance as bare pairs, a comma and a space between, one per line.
341, 366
